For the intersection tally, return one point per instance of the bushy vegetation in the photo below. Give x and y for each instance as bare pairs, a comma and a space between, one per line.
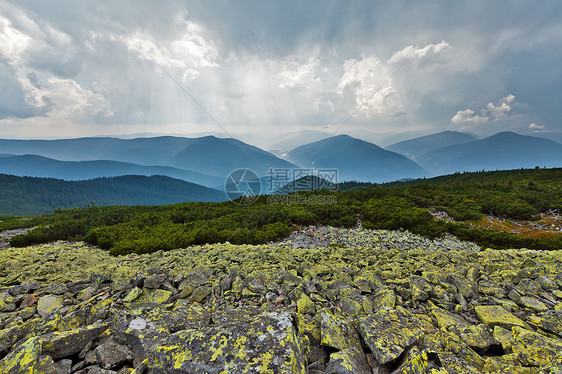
518, 195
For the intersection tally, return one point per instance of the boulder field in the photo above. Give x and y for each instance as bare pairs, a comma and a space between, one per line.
325, 300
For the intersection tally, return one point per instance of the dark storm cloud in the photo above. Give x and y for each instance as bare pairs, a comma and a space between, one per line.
93, 66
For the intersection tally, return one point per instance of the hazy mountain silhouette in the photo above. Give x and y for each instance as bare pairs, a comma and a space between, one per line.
505, 150
356, 159
38, 166
207, 155
287, 142
221, 156
416, 147
26, 195
556, 136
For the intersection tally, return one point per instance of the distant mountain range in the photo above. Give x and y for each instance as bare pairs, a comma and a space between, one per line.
38, 166
285, 144
356, 160
28, 196
207, 155
416, 147
206, 161
502, 151
556, 136
216, 156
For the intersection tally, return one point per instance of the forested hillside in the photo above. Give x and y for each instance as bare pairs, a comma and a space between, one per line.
516, 195
26, 195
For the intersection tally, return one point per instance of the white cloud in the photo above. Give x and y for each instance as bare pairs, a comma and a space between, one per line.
411, 51
65, 99
468, 116
294, 74
534, 126
495, 112
94, 65
12, 41
498, 112
502, 110
359, 84
191, 49
195, 47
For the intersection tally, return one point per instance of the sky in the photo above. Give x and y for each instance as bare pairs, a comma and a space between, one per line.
92, 68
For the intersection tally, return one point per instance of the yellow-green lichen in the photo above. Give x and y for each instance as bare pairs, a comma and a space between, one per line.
495, 315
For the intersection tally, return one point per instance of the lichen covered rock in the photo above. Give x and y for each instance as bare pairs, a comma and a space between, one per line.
63, 344
374, 300
533, 349
494, 315
337, 331
389, 332
349, 361
25, 359
47, 305
267, 343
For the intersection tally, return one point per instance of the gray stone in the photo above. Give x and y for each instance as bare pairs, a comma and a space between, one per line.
63, 366
154, 281
111, 354
67, 343
264, 343
47, 305
348, 361
389, 332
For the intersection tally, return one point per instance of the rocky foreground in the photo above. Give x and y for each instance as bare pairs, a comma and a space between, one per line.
324, 301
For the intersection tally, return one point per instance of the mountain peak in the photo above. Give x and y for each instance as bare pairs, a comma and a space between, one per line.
413, 148
501, 151
355, 159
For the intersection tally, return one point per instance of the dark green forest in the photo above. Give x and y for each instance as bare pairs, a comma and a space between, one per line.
515, 194
29, 195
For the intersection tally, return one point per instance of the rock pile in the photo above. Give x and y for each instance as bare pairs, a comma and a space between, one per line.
324, 301
6, 236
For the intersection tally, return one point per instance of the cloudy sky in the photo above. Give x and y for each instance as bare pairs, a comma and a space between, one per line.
82, 68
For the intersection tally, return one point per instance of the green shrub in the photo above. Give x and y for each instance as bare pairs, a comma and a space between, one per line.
517, 194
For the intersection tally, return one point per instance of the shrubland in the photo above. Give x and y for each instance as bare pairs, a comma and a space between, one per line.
466, 197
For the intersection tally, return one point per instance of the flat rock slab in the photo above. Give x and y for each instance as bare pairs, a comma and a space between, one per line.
47, 305
267, 343
349, 361
551, 321
146, 326
337, 331
447, 319
63, 344
495, 315
389, 332
535, 349
149, 297
24, 359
